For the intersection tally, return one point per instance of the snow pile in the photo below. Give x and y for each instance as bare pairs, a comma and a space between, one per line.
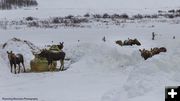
23, 47
102, 63
149, 78
102, 57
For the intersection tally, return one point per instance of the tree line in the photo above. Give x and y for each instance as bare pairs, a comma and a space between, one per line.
12, 4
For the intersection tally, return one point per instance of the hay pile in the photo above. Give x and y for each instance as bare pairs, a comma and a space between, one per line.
41, 65
54, 48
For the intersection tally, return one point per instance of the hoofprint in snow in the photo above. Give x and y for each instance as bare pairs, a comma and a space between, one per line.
99, 71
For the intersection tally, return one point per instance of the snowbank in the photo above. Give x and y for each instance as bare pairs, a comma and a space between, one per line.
149, 78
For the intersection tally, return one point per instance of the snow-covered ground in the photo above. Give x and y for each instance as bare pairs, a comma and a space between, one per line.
99, 71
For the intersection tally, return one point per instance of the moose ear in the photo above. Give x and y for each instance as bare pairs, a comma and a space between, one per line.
140, 50
62, 42
11, 52
7, 52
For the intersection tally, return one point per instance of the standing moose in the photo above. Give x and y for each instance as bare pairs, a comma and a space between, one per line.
54, 56
61, 45
16, 59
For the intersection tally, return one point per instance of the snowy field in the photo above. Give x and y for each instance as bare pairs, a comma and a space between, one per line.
98, 71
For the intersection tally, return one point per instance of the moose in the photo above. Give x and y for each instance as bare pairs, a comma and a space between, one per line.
15, 59
146, 54
128, 42
61, 45
54, 56
154, 51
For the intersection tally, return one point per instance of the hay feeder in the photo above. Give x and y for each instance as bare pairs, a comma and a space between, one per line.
41, 65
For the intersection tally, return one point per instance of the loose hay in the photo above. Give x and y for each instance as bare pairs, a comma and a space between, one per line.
41, 65
54, 48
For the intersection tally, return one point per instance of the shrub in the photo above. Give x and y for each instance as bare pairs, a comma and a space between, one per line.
87, 15
33, 24
106, 15
170, 16
69, 17
115, 16
178, 11
56, 20
124, 16
139, 16
171, 11
97, 16
29, 18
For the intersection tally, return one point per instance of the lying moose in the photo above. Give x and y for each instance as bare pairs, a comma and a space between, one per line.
128, 42
154, 51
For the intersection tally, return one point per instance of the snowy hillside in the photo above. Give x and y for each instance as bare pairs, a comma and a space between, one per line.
97, 70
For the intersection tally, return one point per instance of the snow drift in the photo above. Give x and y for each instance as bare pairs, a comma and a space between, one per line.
102, 56
26, 48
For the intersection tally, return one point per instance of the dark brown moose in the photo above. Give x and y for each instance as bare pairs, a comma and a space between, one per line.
15, 59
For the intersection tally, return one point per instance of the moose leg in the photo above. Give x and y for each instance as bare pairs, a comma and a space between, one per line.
49, 65
11, 67
52, 66
62, 65
23, 66
15, 68
19, 68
